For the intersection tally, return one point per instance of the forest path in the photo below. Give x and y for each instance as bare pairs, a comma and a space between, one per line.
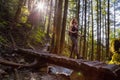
94, 70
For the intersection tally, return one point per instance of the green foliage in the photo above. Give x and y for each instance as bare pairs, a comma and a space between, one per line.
37, 37
115, 59
3, 24
104, 6
8, 9
66, 52
118, 32
2, 40
18, 25
115, 48
3, 27
24, 14
113, 1
72, 10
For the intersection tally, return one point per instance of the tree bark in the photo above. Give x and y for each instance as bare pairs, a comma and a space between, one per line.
18, 12
49, 18
58, 27
84, 44
92, 54
114, 20
108, 30
64, 26
52, 48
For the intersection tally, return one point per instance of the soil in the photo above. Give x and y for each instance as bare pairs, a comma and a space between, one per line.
49, 72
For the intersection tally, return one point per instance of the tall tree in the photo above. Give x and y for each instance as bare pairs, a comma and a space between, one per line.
78, 11
84, 44
54, 28
18, 12
108, 29
58, 27
81, 27
88, 31
114, 21
98, 31
49, 17
62, 43
92, 52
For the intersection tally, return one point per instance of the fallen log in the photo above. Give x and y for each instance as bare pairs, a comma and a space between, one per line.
92, 70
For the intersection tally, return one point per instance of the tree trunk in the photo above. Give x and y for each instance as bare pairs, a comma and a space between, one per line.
58, 27
49, 18
92, 52
78, 10
98, 33
62, 42
108, 30
81, 40
100, 44
84, 44
18, 12
114, 21
52, 48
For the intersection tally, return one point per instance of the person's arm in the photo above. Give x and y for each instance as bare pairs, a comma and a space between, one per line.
70, 30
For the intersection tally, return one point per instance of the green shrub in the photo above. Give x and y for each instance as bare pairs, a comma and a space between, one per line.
115, 49
37, 37
24, 14
2, 40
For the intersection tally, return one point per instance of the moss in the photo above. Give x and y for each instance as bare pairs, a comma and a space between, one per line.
115, 49
24, 14
115, 46
115, 59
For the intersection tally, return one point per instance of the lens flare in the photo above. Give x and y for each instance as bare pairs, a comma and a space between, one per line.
40, 6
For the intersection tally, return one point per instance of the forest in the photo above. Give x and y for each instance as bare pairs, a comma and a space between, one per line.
37, 39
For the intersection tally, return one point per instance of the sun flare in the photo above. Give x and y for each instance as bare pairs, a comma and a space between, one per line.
40, 6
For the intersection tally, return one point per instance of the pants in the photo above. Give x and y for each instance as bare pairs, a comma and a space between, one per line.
74, 46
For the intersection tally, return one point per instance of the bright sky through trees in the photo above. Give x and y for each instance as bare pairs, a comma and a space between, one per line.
40, 6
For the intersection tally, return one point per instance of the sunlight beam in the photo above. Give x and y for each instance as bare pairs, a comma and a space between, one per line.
40, 6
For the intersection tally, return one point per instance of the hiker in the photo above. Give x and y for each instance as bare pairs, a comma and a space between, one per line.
73, 33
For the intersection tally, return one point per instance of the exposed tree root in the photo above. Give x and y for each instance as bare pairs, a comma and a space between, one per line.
18, 65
